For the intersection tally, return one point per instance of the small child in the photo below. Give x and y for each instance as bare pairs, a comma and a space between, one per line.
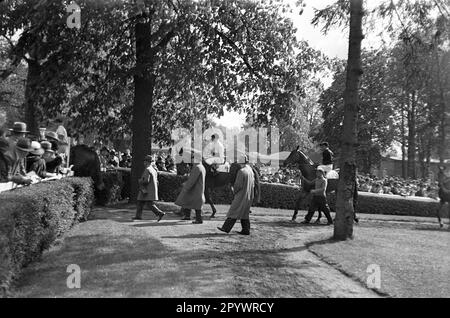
319, 199
148, 190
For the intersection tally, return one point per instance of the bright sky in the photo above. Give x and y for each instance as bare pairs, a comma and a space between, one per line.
333, 44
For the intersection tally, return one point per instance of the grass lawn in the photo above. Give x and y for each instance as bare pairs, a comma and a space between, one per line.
413, 262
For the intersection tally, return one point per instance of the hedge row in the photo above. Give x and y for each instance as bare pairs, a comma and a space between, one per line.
32, 218
281, 196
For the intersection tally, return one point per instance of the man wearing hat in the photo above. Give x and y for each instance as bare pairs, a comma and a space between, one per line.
244, 194
54, 165
148, 190
35, 162
18, 131
192, 196
327, 157
319, 197
13, 161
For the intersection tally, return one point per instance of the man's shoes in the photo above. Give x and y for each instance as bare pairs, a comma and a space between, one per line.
243, 232
221, 229
197, 222
136, 218
160, 216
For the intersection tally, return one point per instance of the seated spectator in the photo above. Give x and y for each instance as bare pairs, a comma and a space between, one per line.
36, 163
12, 166
377, 188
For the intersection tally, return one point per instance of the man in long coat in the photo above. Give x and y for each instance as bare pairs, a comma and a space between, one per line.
192, 196
148, 190
244, 194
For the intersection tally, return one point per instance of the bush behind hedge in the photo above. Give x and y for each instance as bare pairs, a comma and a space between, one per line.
32, 218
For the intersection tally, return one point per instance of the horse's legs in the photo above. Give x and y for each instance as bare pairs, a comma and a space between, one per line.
209, 201
440, 208
297, 207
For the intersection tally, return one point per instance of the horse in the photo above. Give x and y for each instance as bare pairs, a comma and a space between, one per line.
444, 194
307, 167
219, 179
86, 163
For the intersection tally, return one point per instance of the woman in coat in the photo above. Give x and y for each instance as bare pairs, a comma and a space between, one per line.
192, 195
148, 190
244, 194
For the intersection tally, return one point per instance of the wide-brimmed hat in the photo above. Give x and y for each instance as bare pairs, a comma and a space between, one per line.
19, 127
149, 158
47, 146
54, 136
51, 135
320, 169
37, 149
24, 144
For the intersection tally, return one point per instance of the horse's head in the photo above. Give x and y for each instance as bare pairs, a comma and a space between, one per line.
297, 158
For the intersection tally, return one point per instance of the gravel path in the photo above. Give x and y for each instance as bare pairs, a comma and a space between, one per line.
174, 258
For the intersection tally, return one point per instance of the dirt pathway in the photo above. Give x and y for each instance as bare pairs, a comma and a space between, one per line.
173, 258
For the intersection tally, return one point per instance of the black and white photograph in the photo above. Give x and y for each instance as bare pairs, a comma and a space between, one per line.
224, 156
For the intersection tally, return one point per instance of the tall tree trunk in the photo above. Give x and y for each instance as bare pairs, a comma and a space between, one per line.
144, 81
403, 145
31, 100
343, 226
412, 137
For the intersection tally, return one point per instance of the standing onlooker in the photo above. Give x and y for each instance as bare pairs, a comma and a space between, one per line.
244, 194
148, 191
192, 195
319, 198
170, 163
113, 159
126, 159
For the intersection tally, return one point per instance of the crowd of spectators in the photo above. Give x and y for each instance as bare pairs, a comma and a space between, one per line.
26, 159
367, 183
111, 159
398, 186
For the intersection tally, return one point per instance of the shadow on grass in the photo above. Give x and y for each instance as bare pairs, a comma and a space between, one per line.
436, 228
125, 265
191, 236
154, 223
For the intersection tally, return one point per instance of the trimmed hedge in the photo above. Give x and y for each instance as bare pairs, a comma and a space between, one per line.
114, 188
32, 218
281, 196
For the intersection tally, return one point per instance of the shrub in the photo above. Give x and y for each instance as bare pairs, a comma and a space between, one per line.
114, 185
83, 196
32, 218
